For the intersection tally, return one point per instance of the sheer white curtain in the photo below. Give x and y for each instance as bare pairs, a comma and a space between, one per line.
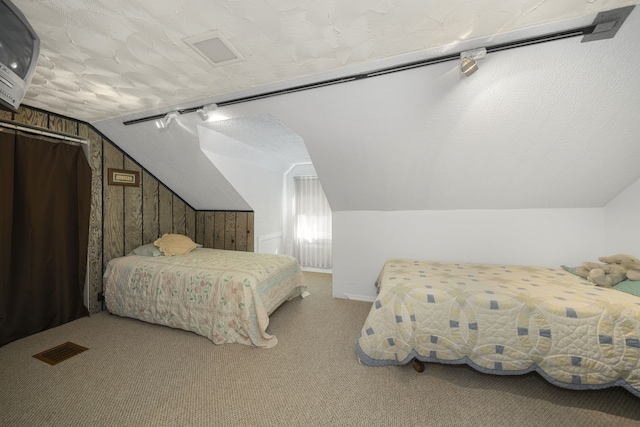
311, 223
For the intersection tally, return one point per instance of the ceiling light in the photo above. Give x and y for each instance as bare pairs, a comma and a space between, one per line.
163, 123
468, 64
204, 111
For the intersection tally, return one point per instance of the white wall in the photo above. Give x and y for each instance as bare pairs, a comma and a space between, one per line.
622, 223
364, 240
262, 189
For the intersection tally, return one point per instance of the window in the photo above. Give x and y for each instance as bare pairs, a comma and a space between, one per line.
311, 223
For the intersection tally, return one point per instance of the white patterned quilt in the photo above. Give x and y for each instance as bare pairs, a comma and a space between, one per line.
504, 320
226, 296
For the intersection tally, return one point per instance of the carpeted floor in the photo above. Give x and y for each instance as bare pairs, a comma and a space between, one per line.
138, 374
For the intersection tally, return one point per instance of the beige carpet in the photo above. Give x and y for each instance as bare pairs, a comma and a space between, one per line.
137, 374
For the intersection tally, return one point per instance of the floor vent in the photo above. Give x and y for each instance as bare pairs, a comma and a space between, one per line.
60, 353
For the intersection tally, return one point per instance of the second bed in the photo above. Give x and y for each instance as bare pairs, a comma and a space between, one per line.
504, 320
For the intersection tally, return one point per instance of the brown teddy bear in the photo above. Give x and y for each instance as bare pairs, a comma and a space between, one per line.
630, 263
604, 275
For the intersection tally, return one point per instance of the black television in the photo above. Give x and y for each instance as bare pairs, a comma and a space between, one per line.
19, 50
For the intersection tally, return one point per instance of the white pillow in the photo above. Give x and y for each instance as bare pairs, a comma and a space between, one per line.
146, 250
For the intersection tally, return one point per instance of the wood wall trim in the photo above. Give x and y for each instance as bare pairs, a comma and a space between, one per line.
123, 218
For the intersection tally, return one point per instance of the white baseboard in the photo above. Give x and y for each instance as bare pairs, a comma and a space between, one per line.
359, 297
317, 270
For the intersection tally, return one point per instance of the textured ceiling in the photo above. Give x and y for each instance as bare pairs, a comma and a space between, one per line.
247, 136
531, 129
102, 59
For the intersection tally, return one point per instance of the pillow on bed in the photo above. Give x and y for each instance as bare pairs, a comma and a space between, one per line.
146, 250
175, 244
571, 270
629, 286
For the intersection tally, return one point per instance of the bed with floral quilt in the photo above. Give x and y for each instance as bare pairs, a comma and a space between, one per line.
505, 320
225, 296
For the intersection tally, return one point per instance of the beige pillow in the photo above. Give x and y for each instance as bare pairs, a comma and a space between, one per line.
175, 244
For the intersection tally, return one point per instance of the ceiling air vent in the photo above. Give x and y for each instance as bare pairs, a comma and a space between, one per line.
214, 48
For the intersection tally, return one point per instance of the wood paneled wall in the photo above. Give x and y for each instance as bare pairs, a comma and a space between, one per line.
225, 230
123, 218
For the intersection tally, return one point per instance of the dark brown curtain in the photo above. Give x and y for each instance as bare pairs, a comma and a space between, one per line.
45, 192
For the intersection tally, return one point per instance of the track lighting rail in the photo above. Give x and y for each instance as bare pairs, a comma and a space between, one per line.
601, 28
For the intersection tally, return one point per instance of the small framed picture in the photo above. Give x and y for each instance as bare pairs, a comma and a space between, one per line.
123, 177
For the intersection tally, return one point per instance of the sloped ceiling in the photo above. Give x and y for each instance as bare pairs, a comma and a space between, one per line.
245, 139
551, 125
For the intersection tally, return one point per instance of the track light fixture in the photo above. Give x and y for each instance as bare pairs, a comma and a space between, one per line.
604, 26
163, 123
205, 110
468, 64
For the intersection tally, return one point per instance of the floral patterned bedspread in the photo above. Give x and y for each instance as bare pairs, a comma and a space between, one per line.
504, 320
226, 296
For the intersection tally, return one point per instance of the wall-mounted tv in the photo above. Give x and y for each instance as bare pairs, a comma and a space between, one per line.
19, 50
